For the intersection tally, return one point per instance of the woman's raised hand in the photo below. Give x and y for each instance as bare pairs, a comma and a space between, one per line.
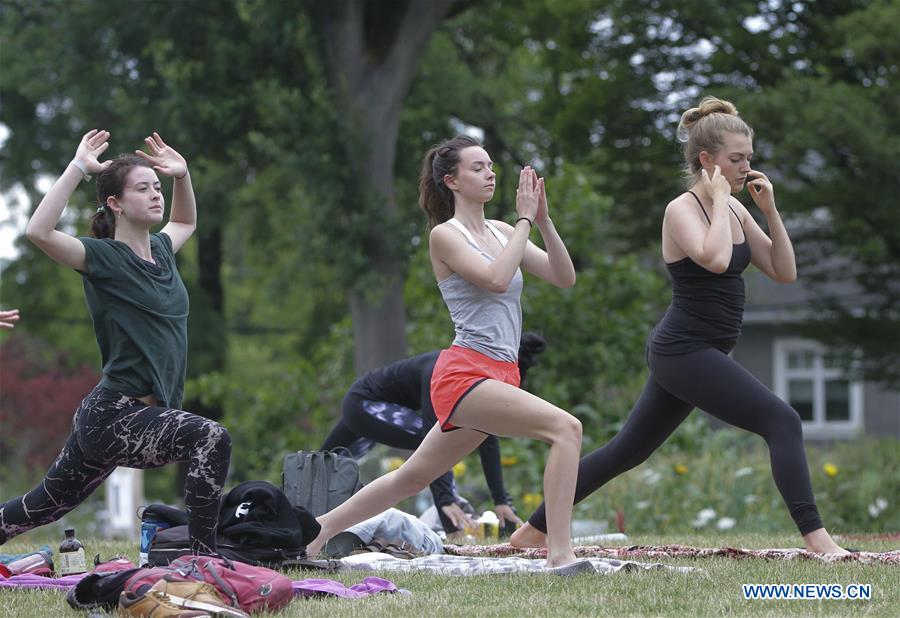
9, 318
163, 157
93, 144
761, 191
717, 186
528, 194
543, 211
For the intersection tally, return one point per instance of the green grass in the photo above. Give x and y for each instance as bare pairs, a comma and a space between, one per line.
714, 592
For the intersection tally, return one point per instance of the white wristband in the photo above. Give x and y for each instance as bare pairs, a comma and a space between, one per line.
82, 169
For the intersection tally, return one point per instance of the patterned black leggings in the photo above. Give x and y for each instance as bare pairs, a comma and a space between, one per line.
110, 430
714, 382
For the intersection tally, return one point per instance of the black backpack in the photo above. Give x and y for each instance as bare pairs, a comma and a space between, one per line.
257, 525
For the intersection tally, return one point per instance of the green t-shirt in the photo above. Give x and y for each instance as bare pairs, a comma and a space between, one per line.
140, 311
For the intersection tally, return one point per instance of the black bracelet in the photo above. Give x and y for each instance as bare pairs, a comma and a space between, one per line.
530, 222
182, 176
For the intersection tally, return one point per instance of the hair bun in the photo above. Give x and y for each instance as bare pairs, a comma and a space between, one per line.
708, 105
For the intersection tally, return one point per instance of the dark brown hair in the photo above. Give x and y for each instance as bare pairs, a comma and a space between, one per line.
703, 128
111, 182
434, 196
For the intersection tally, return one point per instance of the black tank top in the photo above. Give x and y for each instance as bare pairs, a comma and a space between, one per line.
707, 309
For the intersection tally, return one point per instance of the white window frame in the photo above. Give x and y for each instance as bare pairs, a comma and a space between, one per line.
818, 428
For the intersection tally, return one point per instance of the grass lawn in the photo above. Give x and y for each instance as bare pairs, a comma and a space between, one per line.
715, 592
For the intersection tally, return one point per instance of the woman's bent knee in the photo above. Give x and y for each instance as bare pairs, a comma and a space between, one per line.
784, 423
569, 431
218, 437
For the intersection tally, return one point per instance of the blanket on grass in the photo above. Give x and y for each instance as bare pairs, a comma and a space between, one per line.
467, 565
675, 551
302, 587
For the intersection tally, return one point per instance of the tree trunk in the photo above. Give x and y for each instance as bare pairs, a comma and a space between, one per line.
372, 60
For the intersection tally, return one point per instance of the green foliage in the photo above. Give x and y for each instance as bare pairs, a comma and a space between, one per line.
587, 92
731, 476
274, 405
831, 127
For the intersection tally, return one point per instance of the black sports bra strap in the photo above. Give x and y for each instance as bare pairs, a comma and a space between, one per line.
701, 206
741, 223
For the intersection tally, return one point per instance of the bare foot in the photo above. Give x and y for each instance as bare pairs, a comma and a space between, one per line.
529, 536
820, 542
560, 560
315, 548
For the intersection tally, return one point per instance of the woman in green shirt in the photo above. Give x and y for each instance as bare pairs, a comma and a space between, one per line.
139, 307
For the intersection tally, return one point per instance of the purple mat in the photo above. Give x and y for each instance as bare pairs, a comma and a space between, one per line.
302, 587
36, 581
329, 587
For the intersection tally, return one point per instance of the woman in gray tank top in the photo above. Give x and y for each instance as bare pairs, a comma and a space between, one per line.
474, 386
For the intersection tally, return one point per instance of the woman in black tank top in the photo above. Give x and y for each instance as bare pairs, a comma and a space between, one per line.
709, 238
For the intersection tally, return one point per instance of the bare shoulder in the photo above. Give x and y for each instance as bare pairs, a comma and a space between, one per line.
681, 205
739, 208
442, 235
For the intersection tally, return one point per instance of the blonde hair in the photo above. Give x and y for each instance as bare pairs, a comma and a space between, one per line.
703, 128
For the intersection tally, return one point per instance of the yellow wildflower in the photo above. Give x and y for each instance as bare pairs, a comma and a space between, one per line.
459, 469
830, 469
532, 501
680, 469
510, 460
393, 463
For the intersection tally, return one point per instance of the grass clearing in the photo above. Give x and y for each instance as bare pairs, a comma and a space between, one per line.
714, 592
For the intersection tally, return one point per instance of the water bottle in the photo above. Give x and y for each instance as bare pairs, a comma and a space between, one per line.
151, 524
30, 563
71, 555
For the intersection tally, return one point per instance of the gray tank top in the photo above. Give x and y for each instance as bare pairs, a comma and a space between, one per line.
484, 321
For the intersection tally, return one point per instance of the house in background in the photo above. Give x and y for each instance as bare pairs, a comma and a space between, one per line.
798, 370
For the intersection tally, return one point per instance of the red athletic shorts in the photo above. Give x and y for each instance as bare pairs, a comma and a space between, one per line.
457, 371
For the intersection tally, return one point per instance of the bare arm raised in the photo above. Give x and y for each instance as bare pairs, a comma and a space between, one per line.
709, 246
450, 249
41, 229
183, 215
774, 256
553, 265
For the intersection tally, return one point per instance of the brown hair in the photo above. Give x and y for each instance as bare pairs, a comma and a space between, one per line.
702, 128
111, 182
434, 196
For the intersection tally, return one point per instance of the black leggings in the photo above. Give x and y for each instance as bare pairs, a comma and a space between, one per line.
364, 423
110, 430
714, 382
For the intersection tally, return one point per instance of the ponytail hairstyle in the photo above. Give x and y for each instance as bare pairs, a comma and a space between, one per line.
703, 128
435, 198
530, 345
111, 182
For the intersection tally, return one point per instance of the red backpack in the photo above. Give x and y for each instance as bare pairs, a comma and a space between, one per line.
251, 588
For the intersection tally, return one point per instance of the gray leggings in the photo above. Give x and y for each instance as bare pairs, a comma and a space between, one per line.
714, 382
110, 430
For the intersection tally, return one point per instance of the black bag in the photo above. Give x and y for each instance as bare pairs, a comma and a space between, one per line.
257, 525
318, 481
172, 543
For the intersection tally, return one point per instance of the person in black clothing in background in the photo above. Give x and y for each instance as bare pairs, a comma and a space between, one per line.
139, 308
392, 406
708, 239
